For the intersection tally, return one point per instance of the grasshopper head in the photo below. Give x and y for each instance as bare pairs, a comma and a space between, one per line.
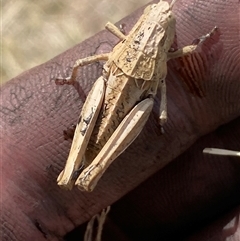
161, 14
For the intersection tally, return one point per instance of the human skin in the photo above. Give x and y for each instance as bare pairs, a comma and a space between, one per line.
193, 188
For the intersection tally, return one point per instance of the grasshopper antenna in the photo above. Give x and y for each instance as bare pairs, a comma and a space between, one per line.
172, 3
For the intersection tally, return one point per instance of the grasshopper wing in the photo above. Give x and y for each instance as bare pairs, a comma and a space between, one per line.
122, 137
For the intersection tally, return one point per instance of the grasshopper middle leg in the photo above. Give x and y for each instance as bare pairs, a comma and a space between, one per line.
91, 59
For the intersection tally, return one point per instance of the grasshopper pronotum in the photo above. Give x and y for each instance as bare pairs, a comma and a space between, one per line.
119, 104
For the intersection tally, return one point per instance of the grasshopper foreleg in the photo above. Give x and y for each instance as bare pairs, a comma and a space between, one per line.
122, 137
114, 30
83, 131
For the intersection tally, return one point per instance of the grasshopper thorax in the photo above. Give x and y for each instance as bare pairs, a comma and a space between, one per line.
149, 40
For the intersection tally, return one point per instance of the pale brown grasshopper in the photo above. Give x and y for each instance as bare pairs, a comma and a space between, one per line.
120, 101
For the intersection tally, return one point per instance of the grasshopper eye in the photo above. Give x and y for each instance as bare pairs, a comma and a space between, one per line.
147, 9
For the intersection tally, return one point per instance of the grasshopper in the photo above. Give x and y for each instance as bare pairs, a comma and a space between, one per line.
121, 100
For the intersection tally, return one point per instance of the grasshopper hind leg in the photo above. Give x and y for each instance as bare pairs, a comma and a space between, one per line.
83, 131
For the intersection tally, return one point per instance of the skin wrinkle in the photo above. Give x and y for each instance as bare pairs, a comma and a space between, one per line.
114, 183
